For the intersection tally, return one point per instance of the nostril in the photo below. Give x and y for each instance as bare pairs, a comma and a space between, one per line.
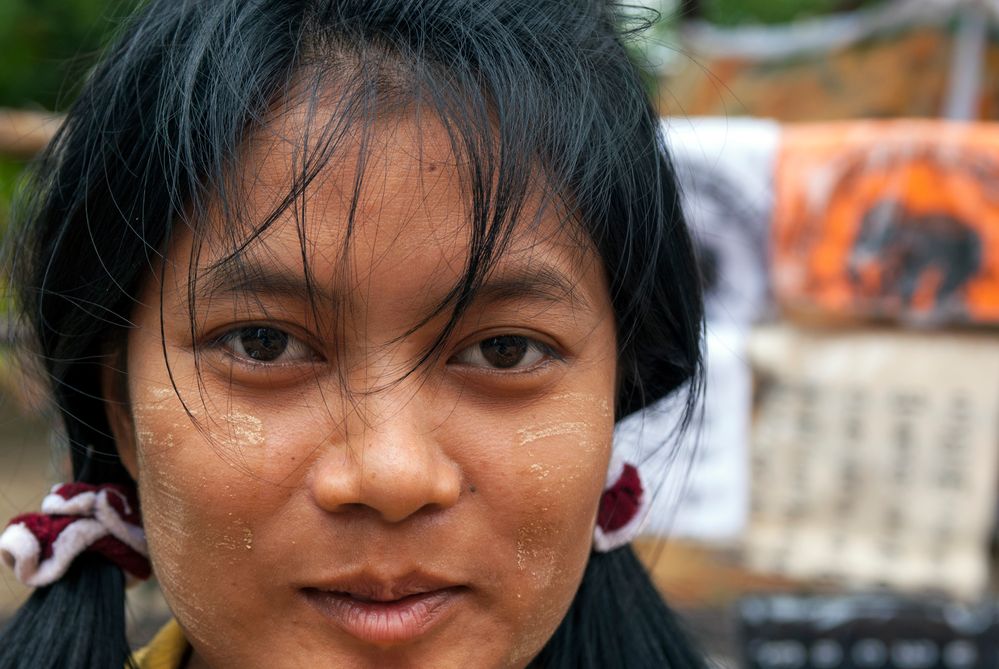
353, 508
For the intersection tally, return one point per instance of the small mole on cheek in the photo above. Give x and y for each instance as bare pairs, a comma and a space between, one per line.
472, 488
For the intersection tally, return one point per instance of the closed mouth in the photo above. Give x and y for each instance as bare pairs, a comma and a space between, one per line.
385, 615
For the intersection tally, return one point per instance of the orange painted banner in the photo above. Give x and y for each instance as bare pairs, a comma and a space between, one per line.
891, 220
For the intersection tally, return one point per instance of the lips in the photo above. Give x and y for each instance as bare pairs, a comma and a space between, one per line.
386, 612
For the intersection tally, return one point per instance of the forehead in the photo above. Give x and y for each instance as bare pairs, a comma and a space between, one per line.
352, 204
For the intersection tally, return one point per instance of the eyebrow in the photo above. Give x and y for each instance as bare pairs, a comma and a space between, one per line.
241, 275
543, 282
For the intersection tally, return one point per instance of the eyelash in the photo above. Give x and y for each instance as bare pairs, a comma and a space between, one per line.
472, 356
543, 352
231, 341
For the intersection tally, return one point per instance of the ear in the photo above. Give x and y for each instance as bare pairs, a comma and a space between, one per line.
114, 390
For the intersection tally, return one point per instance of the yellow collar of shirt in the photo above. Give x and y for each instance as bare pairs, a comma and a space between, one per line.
167, 650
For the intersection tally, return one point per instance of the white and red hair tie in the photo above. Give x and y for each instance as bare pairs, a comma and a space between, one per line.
624, 507
76, 518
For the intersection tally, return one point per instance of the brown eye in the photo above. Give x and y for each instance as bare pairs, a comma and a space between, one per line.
504, 352
264, 344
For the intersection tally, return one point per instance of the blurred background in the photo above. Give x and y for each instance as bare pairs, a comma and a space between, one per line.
840, 169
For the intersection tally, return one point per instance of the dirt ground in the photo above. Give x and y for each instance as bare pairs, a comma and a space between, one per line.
27, 471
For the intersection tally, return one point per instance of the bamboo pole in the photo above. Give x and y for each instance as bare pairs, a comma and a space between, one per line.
25, 133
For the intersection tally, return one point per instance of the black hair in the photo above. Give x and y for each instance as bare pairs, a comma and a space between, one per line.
522, 87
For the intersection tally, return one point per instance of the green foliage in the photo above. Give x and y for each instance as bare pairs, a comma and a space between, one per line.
738, 12
48, 46
9, 171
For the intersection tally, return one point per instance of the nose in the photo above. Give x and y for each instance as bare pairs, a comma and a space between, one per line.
387, 459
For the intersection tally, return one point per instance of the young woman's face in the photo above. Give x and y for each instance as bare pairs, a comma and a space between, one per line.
307, 502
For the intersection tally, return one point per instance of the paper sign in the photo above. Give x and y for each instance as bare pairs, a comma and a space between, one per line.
874, 457
889, 220
700, 481
725, 170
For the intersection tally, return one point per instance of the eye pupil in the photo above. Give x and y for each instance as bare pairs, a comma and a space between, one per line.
264, 344
504, 352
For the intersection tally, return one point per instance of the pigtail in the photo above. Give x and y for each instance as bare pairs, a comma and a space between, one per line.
76, 623
618, 619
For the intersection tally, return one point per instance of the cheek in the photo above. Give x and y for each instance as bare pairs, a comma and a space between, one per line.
203, 481
202, 499
559, 460
543, 504
179, 499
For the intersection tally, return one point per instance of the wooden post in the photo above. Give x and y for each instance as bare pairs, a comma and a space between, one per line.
25, 133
